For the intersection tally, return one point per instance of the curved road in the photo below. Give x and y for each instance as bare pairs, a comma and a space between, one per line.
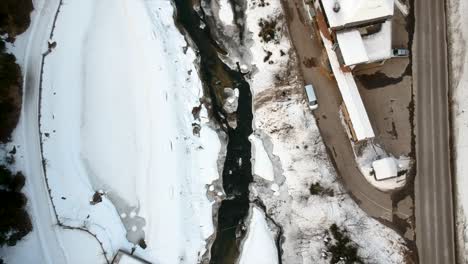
43, 218
433, 188
308, 47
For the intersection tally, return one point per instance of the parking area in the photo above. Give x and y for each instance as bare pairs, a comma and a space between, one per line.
386, 93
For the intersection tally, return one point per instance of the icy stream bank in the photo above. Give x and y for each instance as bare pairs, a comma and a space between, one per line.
237, 170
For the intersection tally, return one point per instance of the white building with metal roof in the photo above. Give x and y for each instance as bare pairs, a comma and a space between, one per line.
359, 124
385, 168
362, 29
356, 49
351, 13
354, 32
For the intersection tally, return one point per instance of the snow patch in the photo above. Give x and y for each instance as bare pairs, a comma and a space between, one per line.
457, 14
225, 12
259, 246
262, 165
368, 154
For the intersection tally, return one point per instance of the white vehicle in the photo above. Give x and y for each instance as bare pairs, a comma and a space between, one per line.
311, 97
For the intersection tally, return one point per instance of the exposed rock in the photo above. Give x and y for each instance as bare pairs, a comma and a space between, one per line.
232, 100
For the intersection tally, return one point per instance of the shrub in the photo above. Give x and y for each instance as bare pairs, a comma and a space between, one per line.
342, 248
317, 189
14, 220
10, 93
268, 30
14, 16
14, 20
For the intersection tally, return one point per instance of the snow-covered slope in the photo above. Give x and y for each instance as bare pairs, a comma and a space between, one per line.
458, 37
118, 94
309, 198
47, 242
259, 245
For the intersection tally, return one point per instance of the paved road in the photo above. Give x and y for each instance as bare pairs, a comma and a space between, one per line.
433, 188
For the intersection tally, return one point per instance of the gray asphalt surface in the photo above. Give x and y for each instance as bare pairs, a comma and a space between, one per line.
433, 186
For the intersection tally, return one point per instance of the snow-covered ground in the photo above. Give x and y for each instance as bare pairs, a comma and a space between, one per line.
226, 13
269, 58
371, 152
261, 163
305, 197
259, 245
116, 117
367, 152
47, 243
458, 37
117, 101
304, 211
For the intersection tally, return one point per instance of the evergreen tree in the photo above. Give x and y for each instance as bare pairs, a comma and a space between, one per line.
14, 220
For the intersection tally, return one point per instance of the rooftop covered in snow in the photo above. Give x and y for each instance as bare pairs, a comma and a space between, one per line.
356, 12
385, 168
379, 45
352, 47
356, 49
356, 111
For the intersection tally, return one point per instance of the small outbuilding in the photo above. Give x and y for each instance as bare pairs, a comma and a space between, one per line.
385, 168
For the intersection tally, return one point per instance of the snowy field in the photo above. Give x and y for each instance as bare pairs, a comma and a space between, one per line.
458, 37
47, 243
117, 117
116, 125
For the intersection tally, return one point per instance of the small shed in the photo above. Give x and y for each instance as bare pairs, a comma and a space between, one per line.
123, 257
385, 168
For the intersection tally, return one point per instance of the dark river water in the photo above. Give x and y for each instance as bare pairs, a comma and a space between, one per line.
237, 171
